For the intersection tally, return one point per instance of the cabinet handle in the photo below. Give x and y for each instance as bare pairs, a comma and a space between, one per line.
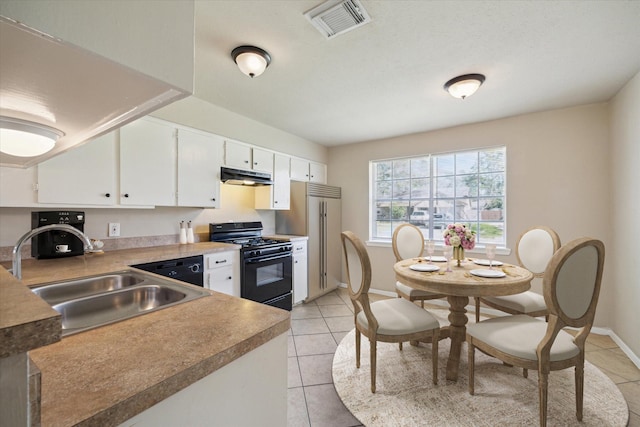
221, 261
255, 163
213, 200
107, 195
296, 262
275, 201
126, 195
229, 278
246, 161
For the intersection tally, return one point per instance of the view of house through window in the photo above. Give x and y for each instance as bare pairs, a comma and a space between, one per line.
432, 191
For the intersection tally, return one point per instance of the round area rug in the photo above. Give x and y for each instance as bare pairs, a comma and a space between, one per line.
405, 395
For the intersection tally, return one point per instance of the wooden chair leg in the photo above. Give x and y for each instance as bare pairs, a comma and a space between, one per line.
579, 373
525, 372
471, 361
400, 346
477, 309
373, 365
542, 389
422, 303
358, 339
434, 355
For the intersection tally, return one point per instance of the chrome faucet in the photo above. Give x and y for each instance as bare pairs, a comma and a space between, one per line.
16, 268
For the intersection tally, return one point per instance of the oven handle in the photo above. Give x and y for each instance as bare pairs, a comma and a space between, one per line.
257, 261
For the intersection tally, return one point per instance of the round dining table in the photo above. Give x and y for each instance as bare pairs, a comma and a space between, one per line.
458, 285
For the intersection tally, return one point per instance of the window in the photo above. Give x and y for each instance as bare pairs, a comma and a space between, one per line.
432, 191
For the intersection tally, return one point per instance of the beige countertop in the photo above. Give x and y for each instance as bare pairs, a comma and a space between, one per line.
109, 374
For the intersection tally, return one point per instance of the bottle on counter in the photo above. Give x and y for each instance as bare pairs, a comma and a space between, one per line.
190, 238
183, 233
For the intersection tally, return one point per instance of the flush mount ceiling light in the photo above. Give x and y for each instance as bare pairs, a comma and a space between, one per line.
251, 60
26, 139
463, 86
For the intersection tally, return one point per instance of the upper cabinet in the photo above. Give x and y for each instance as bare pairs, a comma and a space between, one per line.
305, 170
86, 175
242, 156
148, 163
199, 159
17, 187
278, 195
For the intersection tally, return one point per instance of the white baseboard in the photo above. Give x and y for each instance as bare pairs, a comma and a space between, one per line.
471, 308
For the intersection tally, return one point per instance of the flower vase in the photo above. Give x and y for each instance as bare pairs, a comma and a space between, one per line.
458, 254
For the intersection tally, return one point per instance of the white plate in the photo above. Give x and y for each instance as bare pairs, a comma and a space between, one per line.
436, 258
488, 273
486, 262
424, 267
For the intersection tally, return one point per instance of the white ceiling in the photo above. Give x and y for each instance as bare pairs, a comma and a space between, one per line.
386, 78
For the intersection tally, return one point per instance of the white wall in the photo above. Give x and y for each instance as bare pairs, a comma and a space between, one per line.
557, 175
624, 287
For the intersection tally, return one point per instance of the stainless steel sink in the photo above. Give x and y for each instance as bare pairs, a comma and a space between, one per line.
55, 293
95, 301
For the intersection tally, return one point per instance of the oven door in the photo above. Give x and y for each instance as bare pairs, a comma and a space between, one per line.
265, 278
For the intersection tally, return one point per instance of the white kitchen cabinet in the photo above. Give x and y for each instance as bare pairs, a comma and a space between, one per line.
318, 172
148, 163
85, 175
300, 278
262, 160
237, 155
17, 186
276, 196
222, 272
305, 170
199, 159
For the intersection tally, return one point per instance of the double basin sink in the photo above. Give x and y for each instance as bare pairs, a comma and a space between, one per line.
94, 301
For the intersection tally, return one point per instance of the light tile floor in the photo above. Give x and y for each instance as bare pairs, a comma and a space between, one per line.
318, 327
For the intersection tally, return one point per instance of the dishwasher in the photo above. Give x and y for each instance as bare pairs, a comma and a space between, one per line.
187, 269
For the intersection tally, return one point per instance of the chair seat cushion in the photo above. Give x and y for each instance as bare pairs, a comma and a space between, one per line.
409, 291
525, 302
520, 335
397, 316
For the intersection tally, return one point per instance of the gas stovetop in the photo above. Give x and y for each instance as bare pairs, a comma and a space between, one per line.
246, 234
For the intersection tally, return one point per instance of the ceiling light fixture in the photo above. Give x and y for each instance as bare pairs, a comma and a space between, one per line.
463, 86
251, 60
26, 139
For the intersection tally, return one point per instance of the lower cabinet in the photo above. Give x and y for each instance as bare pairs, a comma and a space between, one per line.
300, 280
250, 391
222, 272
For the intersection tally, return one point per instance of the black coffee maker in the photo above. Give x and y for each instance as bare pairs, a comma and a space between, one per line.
56, 243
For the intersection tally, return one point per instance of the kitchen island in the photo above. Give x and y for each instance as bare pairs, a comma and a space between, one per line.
110, 374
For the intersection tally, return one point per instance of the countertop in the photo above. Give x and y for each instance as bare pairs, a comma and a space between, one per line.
109, 374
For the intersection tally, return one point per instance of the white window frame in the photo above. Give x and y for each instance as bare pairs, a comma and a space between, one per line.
435, 234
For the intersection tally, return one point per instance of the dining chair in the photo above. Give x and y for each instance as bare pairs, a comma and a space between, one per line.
391, 320
571, 286
408, 242
534, 249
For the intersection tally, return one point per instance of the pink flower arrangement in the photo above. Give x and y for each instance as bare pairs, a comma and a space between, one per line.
459, 235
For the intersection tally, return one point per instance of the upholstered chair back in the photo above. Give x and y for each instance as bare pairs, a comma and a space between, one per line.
535, 248
407, 242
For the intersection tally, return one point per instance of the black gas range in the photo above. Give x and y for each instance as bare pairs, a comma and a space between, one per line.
267, 264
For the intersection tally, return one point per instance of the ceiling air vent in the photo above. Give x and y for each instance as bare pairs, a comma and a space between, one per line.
336, 17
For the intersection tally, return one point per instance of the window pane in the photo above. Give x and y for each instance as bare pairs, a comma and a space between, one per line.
443, 165
383, 190
401, 189
401, 169
467, 186
420, 188
383, 229
491, 184
492, 160
420, 167
383, 171
400, 211
443, 187
466, 163
489, 232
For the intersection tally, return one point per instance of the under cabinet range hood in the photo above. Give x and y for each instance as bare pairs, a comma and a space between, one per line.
55, 84
242, 177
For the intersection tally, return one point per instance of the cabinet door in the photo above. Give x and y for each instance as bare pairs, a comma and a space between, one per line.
300, 282
237, 155
317, 172
221, 280
85, 175
199, 169
148, 164
17, 186
299, 169
262, 160
276, 196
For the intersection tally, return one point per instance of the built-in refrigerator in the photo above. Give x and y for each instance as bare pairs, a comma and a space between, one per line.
315, 211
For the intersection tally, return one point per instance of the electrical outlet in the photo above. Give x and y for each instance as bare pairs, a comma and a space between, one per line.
114, 229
